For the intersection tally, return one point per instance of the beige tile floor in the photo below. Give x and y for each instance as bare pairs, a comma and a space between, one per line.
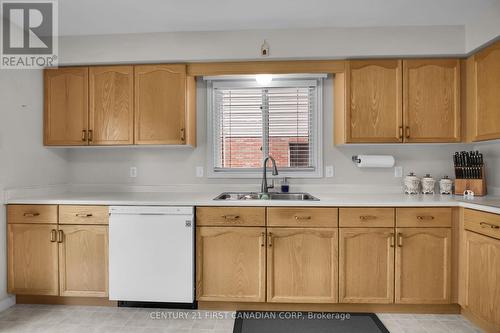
90, 319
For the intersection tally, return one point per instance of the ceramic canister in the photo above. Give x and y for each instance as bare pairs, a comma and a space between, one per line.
411, 184
445, 185
428, 184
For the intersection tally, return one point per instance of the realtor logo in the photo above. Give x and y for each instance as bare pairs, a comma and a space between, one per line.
29, 34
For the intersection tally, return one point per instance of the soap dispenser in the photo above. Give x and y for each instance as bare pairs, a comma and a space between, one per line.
285, 187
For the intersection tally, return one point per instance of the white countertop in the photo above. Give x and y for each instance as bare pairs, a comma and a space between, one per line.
488, 203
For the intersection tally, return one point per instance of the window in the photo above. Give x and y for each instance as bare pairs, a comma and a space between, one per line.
248, 121
299, 154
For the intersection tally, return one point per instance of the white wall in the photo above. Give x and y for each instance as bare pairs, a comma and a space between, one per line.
23, 159
163, 166
244, 45
483, 28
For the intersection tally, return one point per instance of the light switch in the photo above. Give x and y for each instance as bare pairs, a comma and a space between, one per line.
398, 171
199, 171
133, 172
329, 171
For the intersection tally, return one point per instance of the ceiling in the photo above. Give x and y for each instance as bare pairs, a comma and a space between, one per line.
96, 17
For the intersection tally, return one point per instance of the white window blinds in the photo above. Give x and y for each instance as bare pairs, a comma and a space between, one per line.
251, 122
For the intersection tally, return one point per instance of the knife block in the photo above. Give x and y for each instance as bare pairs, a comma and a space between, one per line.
478, 186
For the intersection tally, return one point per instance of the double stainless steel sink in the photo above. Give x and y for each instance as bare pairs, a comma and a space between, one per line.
235, 196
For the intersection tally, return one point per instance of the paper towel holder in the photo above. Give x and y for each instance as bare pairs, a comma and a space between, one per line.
373, 161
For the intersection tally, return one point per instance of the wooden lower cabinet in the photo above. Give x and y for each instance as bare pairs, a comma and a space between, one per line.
302, 265
32, 259
423, 265
231, 264
482, 278
83, 260
51, 259
366, 265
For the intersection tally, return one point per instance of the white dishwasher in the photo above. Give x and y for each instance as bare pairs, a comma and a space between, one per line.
151, 254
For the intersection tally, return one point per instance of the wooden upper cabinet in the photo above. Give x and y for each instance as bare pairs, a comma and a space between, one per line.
302, 265
366, 265
373, 101
431, 100
111, 117
66, 106
423, 260
32, 259
484, 106
160, 104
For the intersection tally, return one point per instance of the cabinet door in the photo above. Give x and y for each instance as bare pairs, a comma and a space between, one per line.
302, 265
423, 259
366, 265
231, 264
160, 104
66, 106
83, 260
374, 101
111, 117
482, 277
487, 101
32, 259
431, 100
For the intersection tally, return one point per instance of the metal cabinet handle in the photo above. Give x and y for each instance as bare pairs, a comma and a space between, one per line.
393, 240
301, 218
84, 215
425, 217
91, 135
400, 132
263, 239
53, 235
489, 225
31, 214
231, 218
400, 239
60, 236
84, 135
183, 134
407, 132
270, 239
367, 217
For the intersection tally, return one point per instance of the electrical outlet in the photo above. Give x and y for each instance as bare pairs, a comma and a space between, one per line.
264, 49
199, 171
398, 172
329, 171
133, 172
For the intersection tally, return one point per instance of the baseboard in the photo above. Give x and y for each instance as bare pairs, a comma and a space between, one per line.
62, 300
7, 302
481, 323
391, 308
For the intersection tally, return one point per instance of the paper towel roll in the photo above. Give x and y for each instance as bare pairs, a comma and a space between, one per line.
374, 161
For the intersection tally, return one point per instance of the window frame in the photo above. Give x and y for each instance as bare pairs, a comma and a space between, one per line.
248, 81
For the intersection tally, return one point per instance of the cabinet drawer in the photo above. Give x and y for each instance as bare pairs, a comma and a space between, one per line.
484, 223
423, 217
231, 216
32, 214
303, 217
366, 217
83, 214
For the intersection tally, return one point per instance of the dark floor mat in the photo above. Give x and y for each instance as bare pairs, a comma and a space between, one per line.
307, 322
